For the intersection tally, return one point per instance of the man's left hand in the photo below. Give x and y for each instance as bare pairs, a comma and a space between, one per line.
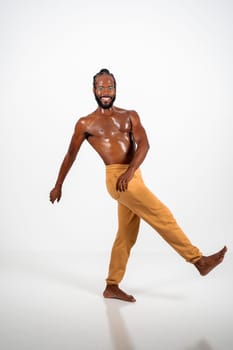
124, 179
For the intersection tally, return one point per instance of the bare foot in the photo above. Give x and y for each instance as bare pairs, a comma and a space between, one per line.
113, 291
207, 263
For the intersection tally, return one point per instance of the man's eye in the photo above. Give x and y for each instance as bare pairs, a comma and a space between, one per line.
101, 88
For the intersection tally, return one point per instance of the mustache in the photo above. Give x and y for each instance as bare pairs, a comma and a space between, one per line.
102, 104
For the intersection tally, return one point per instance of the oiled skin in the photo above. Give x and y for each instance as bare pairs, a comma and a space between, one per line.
111, 135
118, 136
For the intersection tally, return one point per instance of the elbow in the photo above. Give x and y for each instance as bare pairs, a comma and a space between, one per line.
144, 146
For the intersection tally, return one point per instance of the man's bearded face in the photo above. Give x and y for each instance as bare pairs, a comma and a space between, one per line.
105, 101
104, 91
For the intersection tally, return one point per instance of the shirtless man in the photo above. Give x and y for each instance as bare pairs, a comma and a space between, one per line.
118, 136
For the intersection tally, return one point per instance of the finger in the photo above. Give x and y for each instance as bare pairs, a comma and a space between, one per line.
123, 187
118, 186
125, 184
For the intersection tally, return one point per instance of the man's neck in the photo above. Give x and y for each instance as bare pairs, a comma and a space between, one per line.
105, 111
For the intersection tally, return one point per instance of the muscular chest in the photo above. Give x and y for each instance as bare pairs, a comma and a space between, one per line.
109, 126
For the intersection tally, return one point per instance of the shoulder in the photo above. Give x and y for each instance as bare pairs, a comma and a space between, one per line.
84, 122
132, 114
134, 117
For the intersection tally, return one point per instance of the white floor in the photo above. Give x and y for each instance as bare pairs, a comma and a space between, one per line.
54, 301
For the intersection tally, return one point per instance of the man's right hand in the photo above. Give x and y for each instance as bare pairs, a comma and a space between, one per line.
55, 194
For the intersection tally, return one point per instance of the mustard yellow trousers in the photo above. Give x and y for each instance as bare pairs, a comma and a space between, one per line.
138, 202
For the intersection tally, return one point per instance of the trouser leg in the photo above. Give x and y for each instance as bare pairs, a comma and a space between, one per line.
140, 200
128, 226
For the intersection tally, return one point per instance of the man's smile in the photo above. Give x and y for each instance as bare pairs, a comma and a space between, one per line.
106, 99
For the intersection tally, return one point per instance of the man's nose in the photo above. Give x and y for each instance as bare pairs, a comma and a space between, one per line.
106, 89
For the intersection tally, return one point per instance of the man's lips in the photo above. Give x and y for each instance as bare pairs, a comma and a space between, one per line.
106, 99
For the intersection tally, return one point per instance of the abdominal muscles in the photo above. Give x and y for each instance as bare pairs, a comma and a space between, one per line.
116, 149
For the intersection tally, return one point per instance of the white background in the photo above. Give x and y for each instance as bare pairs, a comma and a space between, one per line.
173, 64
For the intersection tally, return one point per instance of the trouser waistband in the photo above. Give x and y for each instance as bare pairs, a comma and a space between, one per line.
116, 166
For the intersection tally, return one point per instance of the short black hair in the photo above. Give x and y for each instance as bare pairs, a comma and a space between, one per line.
102, 72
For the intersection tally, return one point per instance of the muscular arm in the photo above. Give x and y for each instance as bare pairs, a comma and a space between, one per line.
141, 140
75, 144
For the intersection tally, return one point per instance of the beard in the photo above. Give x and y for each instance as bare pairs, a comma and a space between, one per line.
105, 105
